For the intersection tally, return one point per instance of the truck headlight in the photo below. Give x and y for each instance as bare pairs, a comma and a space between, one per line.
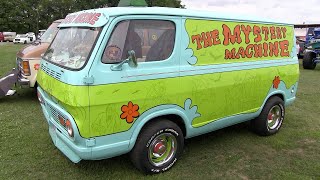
69, 128
40, 97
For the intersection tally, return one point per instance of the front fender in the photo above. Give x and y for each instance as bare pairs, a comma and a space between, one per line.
187, 114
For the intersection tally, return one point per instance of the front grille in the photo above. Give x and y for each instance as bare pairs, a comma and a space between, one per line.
55, 115
51, 72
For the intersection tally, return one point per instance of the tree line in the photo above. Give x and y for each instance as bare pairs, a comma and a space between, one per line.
23, 16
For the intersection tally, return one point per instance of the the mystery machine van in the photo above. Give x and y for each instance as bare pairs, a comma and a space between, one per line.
141, 80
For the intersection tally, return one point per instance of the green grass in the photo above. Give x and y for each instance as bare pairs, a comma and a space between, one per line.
26, 150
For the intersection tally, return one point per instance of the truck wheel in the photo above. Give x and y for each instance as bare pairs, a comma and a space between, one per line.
308, 60
158, 147
271, 117
25, 42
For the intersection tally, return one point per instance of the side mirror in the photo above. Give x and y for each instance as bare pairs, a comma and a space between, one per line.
132, 62
132, 59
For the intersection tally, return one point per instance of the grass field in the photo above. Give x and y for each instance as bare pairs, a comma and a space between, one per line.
26, 150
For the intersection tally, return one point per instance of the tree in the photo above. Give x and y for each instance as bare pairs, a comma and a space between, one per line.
165, 3
23, 16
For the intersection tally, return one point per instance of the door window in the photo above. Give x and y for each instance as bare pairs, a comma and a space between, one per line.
151, 40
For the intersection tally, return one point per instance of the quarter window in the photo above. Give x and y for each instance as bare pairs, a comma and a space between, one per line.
151, 40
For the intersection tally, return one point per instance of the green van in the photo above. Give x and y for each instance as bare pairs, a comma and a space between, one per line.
142, 80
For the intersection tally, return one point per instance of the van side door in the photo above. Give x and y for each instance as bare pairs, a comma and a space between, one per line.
119, 97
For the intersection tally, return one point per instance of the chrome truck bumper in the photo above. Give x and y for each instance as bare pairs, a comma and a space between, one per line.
22, 81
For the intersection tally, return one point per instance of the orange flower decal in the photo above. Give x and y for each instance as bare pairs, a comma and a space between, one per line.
276, 82
36, 66
129, 112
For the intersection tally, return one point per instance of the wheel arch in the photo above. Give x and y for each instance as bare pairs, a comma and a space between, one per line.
312, 52
174, 116
278, 93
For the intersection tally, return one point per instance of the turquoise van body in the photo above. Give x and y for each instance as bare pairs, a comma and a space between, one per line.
221, 70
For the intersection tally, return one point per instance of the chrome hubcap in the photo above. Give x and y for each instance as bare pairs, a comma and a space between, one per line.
159, 149
162, 149
274, 117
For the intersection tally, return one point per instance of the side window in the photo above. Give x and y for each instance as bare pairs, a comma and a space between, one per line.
151, 40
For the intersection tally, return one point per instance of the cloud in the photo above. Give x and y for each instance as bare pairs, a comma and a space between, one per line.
222, 3
287, 11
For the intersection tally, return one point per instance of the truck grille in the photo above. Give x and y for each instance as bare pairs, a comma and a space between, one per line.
51, 72
55, 115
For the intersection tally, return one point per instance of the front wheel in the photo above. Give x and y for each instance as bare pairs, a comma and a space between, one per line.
271, 117
308, 61
158, 147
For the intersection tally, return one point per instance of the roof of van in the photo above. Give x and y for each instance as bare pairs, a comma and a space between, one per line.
117, 11
58, 21
120, 11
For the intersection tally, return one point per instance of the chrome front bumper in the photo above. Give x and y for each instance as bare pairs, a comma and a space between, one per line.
23, 82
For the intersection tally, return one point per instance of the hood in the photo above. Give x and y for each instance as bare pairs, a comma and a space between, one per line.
33, 51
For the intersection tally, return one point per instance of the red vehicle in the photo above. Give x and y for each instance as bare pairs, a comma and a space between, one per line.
1, 37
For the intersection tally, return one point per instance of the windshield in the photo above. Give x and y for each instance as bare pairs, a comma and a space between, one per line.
72, 46
49, 34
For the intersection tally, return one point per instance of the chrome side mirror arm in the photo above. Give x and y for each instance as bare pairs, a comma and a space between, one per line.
132, 61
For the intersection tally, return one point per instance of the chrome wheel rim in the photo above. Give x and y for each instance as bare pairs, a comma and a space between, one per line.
162, 149
274, 117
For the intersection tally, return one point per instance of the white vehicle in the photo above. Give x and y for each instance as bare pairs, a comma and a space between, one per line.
41, 32
31, 36
21, 38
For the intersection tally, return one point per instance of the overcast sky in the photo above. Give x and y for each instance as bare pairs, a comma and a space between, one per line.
290, 11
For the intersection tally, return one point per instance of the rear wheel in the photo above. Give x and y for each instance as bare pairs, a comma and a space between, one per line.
308, 60
158, 147
271, 117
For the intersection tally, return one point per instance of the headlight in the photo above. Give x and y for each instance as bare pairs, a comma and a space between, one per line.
69, 128
40, 97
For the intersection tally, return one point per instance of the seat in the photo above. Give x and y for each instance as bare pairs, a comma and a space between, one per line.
133, 42
163, 47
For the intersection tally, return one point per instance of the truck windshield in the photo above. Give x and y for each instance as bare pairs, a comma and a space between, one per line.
72, 46
49, 34
317, 34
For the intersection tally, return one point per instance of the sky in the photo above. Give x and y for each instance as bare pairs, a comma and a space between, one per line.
288, 11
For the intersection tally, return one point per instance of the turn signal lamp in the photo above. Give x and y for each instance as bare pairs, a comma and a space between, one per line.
26, 68
61, 120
